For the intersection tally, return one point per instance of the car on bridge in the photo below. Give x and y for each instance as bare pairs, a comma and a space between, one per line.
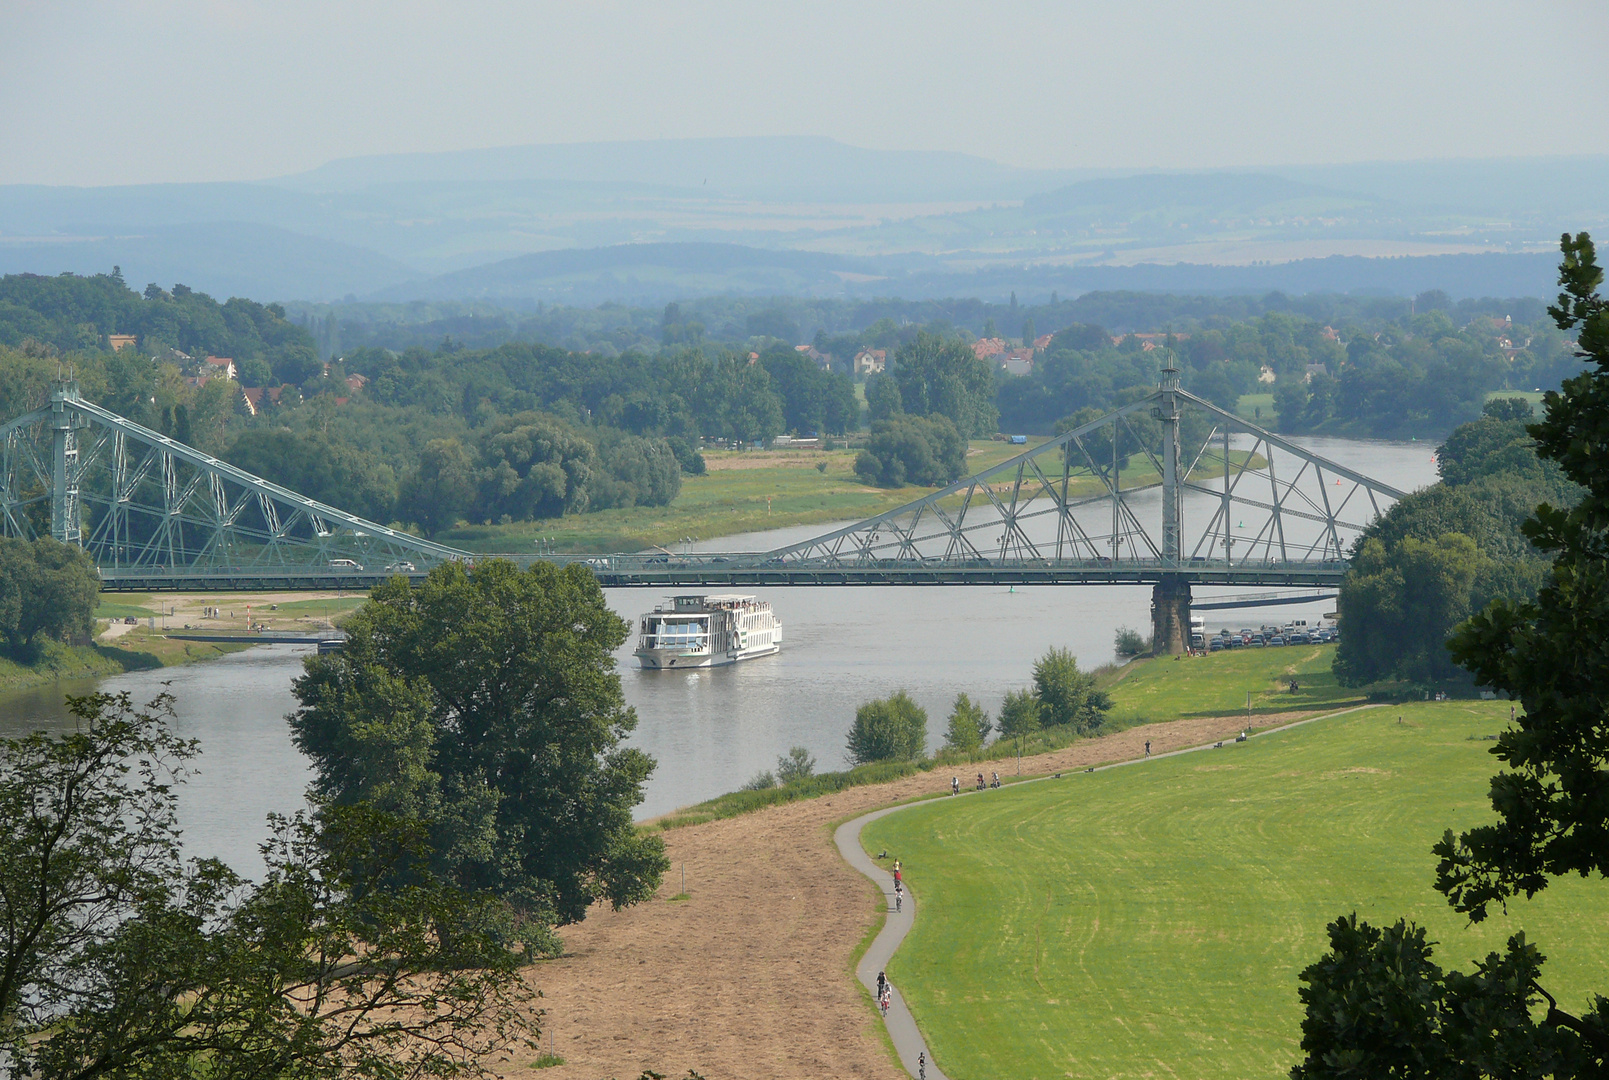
350, 566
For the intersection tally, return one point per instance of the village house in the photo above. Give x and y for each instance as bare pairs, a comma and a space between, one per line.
1017, 361
356, 382
119, 342
871, 361
219, 365
1042, 342
984, 348
820, 359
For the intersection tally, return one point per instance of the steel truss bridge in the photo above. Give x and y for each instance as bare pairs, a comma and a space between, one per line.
1169, 491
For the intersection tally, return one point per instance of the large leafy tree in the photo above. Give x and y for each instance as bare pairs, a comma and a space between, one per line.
47, 590
486, 703
119, 959
1067, 696
943, 376
1376, 1004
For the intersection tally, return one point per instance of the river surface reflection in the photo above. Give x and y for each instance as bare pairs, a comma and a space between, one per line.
710, 730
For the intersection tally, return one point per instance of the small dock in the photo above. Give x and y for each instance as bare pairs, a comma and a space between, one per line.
326, 643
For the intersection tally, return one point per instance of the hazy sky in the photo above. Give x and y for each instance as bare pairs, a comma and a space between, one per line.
120, 92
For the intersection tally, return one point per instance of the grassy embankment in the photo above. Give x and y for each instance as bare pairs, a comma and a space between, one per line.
1142, 692
1151, 920
748, 491
139, 649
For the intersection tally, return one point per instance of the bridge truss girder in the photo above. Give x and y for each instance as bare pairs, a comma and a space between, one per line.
1064, 504
153, 512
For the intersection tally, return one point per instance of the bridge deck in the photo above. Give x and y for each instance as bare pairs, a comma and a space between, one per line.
747, 570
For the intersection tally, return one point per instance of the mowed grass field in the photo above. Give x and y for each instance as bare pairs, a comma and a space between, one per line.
1150, 920
1217, 684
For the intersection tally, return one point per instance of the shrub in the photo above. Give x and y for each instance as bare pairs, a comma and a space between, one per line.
1129, 642
890, 729
796, 764
762, 781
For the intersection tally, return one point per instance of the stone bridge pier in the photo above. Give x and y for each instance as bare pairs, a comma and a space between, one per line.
1170, 616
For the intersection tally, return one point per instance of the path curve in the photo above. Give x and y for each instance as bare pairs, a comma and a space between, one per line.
902, 1028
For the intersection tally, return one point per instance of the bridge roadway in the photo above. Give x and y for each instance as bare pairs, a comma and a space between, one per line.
718, 570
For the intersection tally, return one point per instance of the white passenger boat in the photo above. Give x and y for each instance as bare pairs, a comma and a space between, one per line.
707, 631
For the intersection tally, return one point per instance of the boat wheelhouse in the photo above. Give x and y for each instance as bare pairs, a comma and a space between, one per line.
707, 631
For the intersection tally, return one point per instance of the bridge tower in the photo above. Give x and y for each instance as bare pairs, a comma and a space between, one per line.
66, 519
1170, 596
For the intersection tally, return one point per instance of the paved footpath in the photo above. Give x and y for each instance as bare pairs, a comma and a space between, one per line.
901, 1027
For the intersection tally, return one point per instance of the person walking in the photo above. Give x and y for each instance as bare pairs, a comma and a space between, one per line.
882, 981
921, 1066
899, 897
1147, 747
955, 785
885, 1000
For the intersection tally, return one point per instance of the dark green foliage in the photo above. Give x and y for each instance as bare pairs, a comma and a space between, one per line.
1414, 574
1020, 714
319, 467
889, 729
969, 726
1398, 605
882, 398
1379, 1006
912, 450
1067, 697
442, 488
486, 703
118, 959
47, 590
737, 402
1376, 1006
938, 376
1509, 408
813, 401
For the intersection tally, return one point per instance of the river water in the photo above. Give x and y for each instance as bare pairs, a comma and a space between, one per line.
709, 730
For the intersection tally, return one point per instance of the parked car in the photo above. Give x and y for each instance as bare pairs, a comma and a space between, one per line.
1276, 640
1216, 645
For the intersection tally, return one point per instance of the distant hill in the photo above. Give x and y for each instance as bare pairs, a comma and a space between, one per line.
772, 168
223, 259
651, 274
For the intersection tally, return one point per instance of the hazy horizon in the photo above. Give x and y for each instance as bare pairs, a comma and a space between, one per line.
181, 91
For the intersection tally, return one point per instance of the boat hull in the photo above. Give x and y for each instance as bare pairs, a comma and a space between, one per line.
667, 659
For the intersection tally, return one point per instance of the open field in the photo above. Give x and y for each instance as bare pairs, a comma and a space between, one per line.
1151, 920
1217, 684
750, 491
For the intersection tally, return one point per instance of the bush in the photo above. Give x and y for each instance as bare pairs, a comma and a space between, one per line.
912, 450
796, 765
1129, 642
890, 729
763, 781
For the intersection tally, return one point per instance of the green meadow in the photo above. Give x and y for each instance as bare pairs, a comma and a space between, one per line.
1150, 920
1218, 684
752, 491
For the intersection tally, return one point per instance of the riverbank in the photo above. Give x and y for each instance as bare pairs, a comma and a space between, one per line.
137, 649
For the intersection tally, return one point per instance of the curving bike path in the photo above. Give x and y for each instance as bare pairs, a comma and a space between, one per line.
902, 1029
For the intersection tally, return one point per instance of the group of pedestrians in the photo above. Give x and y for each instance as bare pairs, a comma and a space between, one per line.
955, 783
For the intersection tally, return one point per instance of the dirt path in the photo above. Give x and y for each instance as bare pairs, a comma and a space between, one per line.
750, 976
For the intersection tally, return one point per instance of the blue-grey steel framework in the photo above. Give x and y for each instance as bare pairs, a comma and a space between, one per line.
157, 514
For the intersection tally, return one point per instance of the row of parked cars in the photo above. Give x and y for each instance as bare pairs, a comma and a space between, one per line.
1272, 635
